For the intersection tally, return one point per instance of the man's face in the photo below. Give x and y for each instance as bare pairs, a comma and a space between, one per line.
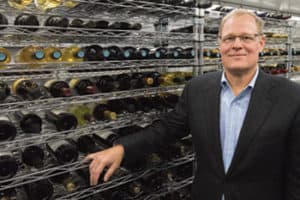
240, 44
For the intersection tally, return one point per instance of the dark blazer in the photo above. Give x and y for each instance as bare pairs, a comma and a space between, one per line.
266, 162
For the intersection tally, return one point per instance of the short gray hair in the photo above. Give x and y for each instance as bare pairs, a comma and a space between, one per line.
239, 12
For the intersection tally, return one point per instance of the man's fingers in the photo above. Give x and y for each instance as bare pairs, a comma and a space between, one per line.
96, 169
110, 171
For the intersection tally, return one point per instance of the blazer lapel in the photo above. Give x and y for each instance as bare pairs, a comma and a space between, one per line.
212, 119
259, 107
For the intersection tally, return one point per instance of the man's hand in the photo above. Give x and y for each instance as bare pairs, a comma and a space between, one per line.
110, 158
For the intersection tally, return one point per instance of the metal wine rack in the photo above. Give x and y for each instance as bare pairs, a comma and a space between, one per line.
50, 103
19, 36
111, 8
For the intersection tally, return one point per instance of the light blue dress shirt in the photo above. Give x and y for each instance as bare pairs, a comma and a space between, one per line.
232, 114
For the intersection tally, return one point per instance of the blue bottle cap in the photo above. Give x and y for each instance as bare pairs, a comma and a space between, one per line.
3, 57
39, 55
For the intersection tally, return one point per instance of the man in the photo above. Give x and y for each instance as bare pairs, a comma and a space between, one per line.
245, 125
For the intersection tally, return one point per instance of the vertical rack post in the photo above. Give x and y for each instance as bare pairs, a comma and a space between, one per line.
198, 40
289, 49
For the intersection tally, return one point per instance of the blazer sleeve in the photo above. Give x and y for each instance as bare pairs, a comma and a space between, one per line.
293, 161
169, 128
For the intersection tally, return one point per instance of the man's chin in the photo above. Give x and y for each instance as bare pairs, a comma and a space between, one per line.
238, 70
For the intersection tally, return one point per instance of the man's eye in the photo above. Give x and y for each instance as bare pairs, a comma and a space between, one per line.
246, 38
229, 39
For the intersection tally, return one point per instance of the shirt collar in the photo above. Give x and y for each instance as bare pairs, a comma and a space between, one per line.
224, 81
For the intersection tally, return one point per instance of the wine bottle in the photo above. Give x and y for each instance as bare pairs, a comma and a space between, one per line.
77, 23
124, 81
32, 55
58, 88
62, 120
93, 53
142, 53
152, 79
111, 53
120, 26
33, 156
83, 113
136, 26
106, 137
128, 53
70, 3
102, 112
25, 19
53, 54
13, 194
83, 86
137, 81
39, 190
60, 23
215, 53
8, 165
3, 21
158, 53
175, 53
171, 78
45, 5
186, 29
73, 54
86, 144
4, 91
188, 53
26, 88
64, 151
8, 130
29, 121
144, 104
19, 4
90, 25
102, 24
5, 57
105, 83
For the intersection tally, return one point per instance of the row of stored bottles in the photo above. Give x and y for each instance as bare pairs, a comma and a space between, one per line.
28, 89
80, 114
34, 55
60, 185
61, 23
278, 68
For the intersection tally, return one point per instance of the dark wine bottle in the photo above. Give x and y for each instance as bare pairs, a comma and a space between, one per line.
144, 104
120, 25
29, 121
77, 23
26, 88
4, 90
3, 21
136, 26
33, 156
64, 151
39, 190
106, 137
123, 81
186, 29
25, 19
86, 144
101, 24
111, 53
142, 53
61, 119
158, 53
60, 23
8, 130
58, 88
8, 165
102, 112
175, 53
90, 25
106, 83
188, 53
83, 86
137, 81
152, 79
128, 53
93, 53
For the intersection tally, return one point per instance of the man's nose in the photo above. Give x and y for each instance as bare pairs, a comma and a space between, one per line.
237, 43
